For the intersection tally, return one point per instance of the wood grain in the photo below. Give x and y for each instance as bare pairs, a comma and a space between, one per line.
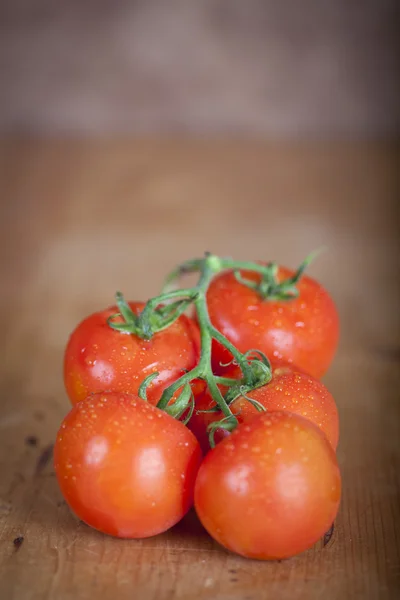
80, 219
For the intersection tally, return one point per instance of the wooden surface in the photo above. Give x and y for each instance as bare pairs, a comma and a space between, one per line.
82, 219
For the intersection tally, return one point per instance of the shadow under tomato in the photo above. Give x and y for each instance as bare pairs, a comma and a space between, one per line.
190, 526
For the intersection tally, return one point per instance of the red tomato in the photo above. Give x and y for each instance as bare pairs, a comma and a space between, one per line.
125, 467
288, 390
303, 331
98, 358
270, 490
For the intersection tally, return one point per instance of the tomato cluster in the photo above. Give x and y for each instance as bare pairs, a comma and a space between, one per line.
170, 411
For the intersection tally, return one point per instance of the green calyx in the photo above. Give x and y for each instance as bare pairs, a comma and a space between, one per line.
153, 318
269, 288
160, 312
259, 374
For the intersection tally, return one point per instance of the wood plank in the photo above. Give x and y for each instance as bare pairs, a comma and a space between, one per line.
80, 219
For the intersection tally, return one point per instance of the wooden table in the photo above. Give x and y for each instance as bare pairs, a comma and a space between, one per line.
80, 219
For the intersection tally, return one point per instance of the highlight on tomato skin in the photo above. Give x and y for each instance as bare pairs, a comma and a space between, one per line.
289, 390
125, 467
303, 331
98, 358
271, 489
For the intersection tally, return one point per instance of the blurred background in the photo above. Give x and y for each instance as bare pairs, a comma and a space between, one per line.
261, 67
139, 133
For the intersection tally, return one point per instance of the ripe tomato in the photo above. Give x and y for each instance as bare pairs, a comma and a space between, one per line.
98, 358
125, 467
288, 390
271, 489
303, 331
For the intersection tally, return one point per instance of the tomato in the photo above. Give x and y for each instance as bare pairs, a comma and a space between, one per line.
288, 390
296, 393
271, 489
98, 358
125, 467
303, 331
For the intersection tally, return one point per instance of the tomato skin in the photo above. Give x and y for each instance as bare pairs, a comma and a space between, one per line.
297, 393
270, 490
303, 331
289, 390
125, 467
98, 358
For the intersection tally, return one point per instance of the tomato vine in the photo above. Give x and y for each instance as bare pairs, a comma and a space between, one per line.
161, 311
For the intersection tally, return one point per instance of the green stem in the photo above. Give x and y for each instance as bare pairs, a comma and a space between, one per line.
219, 399
187, 267
225, 380
174, 387
151, 305
244, 265
206, 336
238, 356
203, 370
255, 371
